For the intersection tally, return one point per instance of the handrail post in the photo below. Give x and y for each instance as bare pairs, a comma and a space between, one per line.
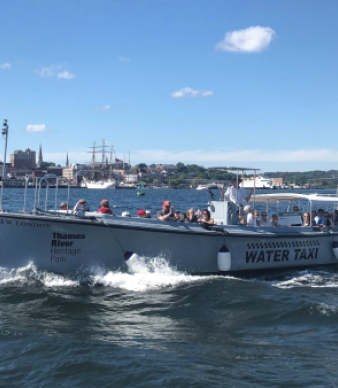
5, 135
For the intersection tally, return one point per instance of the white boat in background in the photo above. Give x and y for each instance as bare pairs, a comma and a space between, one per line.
260, 182
101, 184
202, 187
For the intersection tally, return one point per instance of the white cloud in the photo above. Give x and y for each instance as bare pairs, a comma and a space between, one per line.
191, 93
105, 107
45, 72
36, 128
66, 75
250, 40
5, 65
124, 59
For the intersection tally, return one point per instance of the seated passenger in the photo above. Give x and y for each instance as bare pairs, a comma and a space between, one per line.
64, 206
274, 220
167, 212
179, 216
249, 216
306, 219
148, 214
125, 214
141, 214
335, 217
264, 221
82, 205
328, 221
295, 209
313, 216
257, 221
105, 207
320, 220
190, 216
206, 217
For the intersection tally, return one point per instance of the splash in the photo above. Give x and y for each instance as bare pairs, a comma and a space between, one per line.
315, 279
146, 275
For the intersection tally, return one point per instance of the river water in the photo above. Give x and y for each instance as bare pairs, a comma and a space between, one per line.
160, 327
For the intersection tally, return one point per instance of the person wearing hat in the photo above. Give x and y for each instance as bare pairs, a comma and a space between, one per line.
82, 205
105, 207
64, 206
141, 213
235, 193
125, 214
167, 213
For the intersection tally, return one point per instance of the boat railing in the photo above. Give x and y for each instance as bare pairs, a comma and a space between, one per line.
39, 187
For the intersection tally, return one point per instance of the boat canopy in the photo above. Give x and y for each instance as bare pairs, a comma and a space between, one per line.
293, 197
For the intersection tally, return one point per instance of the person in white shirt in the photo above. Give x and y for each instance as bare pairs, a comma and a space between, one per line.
235, 193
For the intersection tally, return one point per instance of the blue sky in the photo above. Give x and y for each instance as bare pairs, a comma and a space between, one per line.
207, 82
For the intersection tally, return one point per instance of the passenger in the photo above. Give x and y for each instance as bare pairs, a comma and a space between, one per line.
82, 205
105, 207
125, 214
335, 217
141, 213
167, 212
328, 220
191, 217
257, 220
235, 193
306, 219
274, 220
313, 216
320, 220
179, 216
206, 217
264, 221
64, 206
249, 215
148, 214
295, 209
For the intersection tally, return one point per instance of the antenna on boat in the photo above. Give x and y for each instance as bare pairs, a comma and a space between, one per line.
4, 133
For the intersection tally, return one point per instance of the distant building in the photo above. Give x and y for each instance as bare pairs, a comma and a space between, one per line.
23, 159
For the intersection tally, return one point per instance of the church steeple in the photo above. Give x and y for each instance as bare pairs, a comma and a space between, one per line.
67, 161
40, 158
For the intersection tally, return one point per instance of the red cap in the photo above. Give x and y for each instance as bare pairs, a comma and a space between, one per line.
166, 203
141, 212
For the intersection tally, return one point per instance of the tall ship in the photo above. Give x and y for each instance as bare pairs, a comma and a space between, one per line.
100, 176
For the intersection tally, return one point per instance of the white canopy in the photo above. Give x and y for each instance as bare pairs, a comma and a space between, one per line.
293, 197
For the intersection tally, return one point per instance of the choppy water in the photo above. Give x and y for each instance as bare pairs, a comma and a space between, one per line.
160, 327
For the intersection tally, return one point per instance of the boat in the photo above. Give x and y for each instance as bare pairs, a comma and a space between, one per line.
259, 182
202, 187
65, 241
100, 184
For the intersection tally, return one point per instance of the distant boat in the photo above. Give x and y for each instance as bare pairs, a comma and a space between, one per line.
101, 184
260, 182
201, 187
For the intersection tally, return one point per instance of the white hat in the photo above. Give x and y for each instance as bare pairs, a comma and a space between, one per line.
125, 214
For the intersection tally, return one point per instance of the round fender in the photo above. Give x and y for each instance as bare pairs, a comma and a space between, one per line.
335, 249
224, 259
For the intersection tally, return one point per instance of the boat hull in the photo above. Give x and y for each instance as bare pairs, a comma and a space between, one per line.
66, 244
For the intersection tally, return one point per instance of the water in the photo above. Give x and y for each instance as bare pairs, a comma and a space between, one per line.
160, 327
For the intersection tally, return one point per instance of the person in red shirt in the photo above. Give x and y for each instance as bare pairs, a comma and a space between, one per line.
105, 207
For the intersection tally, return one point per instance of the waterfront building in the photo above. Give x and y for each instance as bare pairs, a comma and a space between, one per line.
23, 159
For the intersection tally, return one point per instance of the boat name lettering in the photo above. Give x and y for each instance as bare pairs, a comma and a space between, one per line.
61, 250
62, 236
277, 255
24, 223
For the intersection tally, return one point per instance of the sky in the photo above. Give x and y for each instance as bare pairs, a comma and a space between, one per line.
212, 82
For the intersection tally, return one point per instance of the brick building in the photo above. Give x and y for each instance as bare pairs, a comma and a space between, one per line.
23, 159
